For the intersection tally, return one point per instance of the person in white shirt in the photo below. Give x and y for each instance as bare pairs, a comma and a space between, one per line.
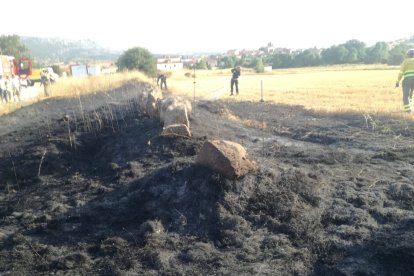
16, 87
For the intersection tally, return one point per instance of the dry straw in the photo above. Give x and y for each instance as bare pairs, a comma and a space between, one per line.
367, 89
76, 87
332, 89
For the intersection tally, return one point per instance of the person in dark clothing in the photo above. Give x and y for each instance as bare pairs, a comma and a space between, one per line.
235, 80
163, 79
2, 89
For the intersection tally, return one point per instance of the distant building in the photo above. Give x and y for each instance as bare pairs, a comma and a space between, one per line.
269, 48
79, 70
94, 70
233, 52
212, 62
286, 51
169, 64
268, 69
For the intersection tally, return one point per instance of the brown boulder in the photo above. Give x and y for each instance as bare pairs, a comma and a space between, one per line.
225, 157
171, 103
152, 107
176, 115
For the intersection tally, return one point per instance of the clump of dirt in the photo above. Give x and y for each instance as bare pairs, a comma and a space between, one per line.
98, 191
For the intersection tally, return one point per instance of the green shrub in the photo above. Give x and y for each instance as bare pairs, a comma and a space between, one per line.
138, 59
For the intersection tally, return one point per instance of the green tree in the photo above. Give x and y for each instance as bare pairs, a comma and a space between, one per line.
377, 53
245, 60
258, 65
138, 59
279, 60
356, 51
309, 57
228, 62
12, 46
335, 55
201, 65
397, 54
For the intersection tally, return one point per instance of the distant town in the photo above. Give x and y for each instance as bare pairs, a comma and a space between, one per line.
179, 62
88, 58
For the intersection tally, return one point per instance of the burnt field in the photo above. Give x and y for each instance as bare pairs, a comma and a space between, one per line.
89, 187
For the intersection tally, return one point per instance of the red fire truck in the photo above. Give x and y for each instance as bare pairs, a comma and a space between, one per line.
22, 68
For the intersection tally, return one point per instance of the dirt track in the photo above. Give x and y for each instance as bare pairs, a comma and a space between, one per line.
88, 187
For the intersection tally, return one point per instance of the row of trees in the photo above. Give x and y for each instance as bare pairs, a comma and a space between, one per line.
351, 52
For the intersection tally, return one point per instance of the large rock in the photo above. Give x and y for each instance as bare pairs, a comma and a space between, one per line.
176, 114
142, 99
225, 157
152, 107
176, 130
172, 102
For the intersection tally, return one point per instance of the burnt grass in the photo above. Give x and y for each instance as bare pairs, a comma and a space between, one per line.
89, 187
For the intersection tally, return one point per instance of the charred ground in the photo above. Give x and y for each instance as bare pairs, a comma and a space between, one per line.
89, 187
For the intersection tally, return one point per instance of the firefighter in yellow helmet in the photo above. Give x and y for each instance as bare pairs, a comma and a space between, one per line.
407, 70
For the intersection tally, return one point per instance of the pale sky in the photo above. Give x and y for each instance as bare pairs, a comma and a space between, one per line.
168, 26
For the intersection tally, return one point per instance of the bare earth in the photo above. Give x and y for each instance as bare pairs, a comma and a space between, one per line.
88, 187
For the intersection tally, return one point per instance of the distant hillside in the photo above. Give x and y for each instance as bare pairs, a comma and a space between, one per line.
53, 50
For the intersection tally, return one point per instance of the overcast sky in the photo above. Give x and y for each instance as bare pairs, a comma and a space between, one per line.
167, 26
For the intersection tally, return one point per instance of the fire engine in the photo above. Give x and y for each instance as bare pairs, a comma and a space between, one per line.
9, 66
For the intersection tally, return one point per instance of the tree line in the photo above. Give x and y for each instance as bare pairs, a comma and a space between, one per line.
350, 52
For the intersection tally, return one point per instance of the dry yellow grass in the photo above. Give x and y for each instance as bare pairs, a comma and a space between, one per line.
357, 88
351, 88
75, 87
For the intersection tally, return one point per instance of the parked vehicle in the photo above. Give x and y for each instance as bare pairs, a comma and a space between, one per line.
37, 75
22, 68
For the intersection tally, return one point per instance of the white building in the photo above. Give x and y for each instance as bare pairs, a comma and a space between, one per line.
94, 70
268, 69
169, 64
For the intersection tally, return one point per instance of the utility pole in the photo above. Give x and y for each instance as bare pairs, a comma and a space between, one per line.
261, 89
263, 125
194, 76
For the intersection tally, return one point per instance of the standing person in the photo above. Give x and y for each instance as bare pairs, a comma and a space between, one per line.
45, 81
15, 82
235, 80
163, 79
2, 89
407, 70
8, 89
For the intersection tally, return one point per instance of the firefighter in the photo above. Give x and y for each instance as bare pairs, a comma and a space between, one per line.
407, 70
163, 79
45, 81
235, 80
